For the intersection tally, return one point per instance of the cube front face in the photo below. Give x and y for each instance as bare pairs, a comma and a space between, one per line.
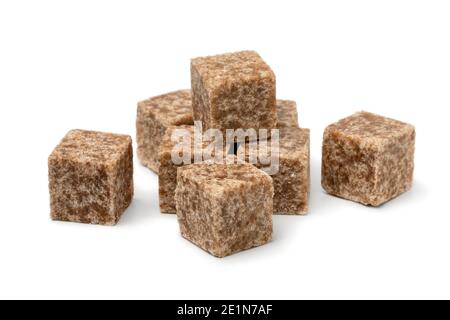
291, 186
368, 158
224, 215
154, 116
396, 167
123, 182
292, 181
348, 168
168, 169
80, 194
149, 134
287, 114
167, 176
91, 178
167, 185
233, 91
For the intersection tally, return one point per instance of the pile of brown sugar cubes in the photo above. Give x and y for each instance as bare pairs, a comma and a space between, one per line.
225, 204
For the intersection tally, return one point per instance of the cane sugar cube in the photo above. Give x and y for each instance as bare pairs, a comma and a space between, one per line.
224, 209
291, 175
233, 91
167, 176
368, 158
168, 168
292, 182
287, 113
91, 177
154, 116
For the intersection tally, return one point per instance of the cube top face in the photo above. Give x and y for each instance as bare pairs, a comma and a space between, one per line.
92, 147
287, 113
233, 91
170, 109
219, 69
220, 178
372, 130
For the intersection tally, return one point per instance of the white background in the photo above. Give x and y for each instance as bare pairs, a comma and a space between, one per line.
85, 64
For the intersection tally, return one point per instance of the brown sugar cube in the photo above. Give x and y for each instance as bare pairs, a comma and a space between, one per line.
168, 169
287, 113
91, 177
154, 116
292, 182
233, 91
167, 176
368, 158
224, 209
292, 178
